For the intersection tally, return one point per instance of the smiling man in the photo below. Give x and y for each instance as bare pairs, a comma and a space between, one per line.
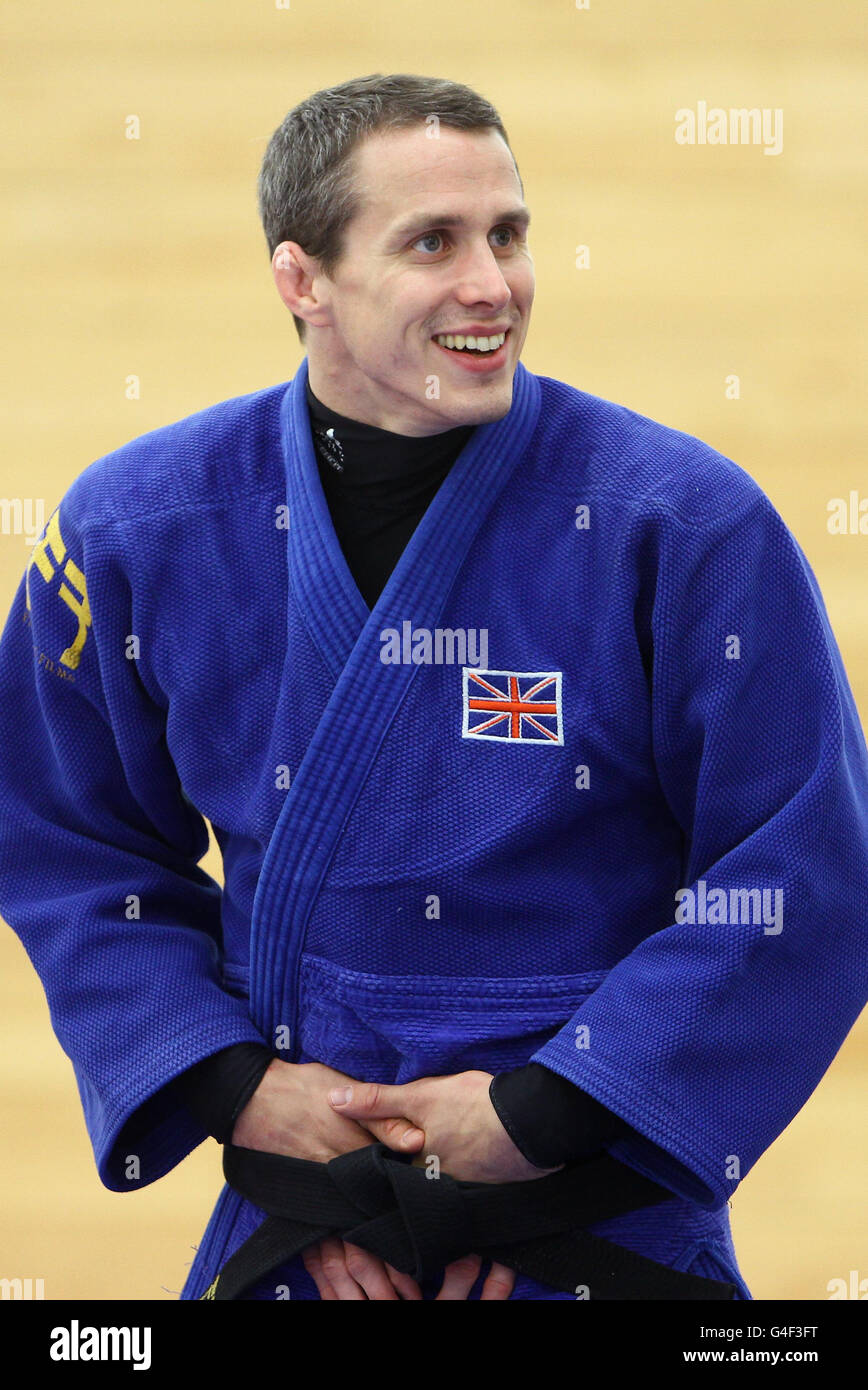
435, 265
447, 1015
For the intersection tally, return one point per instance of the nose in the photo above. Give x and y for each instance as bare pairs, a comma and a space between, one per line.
480, 278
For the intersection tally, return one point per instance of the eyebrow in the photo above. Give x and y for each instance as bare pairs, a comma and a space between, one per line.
422, 221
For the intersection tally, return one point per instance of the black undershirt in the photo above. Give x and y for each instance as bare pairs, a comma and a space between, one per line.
378, 485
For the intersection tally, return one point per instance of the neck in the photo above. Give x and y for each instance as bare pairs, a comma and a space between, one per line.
326, 390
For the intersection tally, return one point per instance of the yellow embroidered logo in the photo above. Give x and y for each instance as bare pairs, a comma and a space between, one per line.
77, 602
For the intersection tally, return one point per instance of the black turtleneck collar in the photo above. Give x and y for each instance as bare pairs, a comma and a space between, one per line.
367, 454
377, 485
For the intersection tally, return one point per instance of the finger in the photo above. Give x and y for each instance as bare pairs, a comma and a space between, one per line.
369, 1272
459, 1278
499, 1283
404, 1283
313, 1265
397, 1134
368, 1100
335, 1269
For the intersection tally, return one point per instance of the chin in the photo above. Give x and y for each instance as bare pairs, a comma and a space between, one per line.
482, 407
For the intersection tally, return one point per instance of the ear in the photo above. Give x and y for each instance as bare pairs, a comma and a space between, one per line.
295, 275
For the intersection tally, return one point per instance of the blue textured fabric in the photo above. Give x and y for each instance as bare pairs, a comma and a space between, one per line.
403, 898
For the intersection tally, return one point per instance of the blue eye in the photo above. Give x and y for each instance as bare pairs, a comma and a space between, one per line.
428, 236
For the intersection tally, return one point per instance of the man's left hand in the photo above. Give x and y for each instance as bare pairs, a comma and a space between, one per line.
461, 1126
463, 1132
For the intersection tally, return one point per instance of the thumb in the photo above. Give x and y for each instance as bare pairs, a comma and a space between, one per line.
368, 1101
396, 1134
381, 1110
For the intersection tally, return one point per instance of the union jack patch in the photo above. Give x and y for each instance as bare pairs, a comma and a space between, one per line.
512, 706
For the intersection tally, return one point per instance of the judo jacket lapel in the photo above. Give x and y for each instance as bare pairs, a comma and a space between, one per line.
362, 704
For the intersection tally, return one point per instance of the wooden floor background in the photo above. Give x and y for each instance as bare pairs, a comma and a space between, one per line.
145, 257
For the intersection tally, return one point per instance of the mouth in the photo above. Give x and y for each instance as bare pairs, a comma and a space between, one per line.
474, 354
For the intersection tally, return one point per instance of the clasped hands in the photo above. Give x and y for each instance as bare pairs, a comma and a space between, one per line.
307, 1110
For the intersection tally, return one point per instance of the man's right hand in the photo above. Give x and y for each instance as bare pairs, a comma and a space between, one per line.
289, 1113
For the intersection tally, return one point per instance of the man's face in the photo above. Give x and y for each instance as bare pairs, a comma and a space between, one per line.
438, 247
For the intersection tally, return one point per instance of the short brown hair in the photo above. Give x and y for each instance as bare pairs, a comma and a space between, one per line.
307, 191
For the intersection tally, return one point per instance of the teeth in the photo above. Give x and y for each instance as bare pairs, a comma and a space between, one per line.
447, 340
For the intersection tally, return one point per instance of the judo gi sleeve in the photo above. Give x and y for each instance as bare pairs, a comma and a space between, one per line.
99, 851
710, 1035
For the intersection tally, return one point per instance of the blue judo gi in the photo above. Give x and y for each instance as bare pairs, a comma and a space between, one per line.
631, 845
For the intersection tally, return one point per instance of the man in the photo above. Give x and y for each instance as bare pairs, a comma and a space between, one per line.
331, 617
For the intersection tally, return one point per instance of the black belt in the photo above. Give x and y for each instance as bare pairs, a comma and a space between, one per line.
378, 1199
